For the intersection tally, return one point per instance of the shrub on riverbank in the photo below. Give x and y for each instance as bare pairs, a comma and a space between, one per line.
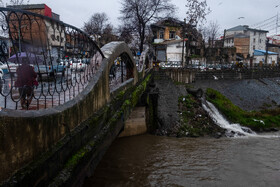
258, 121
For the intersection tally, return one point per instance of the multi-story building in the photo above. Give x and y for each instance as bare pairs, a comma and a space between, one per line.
245, 40
171, 43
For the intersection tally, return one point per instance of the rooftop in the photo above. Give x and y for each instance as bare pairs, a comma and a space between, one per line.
263, 52
25, 7
244, 28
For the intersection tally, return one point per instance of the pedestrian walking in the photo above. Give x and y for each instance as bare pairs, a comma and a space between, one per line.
26, 80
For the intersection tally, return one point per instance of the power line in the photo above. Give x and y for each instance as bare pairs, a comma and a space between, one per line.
267, 23
261, 22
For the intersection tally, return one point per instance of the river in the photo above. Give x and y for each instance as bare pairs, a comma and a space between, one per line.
245, 159
149, 160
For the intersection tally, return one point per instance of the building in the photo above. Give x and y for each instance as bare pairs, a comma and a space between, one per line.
259, 58
171, 43
37, 34
246, 40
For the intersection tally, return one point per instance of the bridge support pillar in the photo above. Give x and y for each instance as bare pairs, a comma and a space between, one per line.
136, 123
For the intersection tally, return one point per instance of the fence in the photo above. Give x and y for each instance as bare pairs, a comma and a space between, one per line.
45, 62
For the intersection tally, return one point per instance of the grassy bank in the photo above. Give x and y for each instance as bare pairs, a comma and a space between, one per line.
258, 121
195, 122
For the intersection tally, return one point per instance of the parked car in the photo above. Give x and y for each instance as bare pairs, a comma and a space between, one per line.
77, 65
49, 69
8, 67
64, 62
217, 67
209, 67
202, 68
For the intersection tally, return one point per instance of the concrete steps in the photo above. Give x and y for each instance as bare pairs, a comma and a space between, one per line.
136, 123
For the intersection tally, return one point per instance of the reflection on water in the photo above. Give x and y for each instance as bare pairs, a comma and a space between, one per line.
162, 161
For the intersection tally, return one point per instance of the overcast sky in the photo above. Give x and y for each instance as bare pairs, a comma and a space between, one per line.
226, 12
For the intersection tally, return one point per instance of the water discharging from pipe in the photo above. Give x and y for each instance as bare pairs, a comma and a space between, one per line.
233, 129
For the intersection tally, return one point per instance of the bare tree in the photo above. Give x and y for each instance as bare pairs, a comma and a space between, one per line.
108, 35
125, 34
96, 26
196, 14
137, 14
196, 11
214, 31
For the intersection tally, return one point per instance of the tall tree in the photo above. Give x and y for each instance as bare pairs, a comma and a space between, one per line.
210, 32
214, 31
137, 14
97, 24
196, 12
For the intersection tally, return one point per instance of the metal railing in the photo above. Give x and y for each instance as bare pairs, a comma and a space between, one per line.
120, 71
45, 62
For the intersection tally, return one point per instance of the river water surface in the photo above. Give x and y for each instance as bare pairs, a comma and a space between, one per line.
149, 160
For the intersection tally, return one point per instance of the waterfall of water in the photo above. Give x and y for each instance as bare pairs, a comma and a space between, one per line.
233, 129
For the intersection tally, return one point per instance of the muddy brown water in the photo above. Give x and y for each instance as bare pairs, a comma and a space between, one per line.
164, 161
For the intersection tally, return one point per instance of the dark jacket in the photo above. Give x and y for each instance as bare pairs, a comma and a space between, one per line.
26, 76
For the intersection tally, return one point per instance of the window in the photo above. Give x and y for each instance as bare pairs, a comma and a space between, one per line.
254, 47
172, 34
260, 40
254, 33
161, 34
254, 40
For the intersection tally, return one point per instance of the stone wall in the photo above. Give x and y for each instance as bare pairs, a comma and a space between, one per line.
238, 74
180, 75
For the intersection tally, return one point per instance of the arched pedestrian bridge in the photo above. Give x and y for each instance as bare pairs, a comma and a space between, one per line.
57, 135
73, 116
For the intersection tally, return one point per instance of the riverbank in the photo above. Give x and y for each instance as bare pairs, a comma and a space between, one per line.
181, 114
249, 94
264, 120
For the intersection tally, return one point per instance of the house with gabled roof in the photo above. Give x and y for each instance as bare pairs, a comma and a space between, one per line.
171, 43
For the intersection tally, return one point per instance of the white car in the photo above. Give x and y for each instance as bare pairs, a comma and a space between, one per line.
77, 65
8, 67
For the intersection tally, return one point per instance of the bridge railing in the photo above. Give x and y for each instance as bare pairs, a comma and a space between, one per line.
63, 57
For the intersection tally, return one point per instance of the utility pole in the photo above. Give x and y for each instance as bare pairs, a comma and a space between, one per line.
223, 44
266, 51
184, 33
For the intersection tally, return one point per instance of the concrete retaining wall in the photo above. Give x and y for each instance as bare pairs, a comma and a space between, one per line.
235, 74
180, 75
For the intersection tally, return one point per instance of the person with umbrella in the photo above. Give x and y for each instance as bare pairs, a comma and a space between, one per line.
26, 80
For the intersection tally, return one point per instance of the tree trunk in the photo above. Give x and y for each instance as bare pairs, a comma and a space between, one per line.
142, 38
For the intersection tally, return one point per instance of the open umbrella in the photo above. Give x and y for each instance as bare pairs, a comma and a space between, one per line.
25, 57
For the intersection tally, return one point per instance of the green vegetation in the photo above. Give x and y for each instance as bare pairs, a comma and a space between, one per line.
73, 161
258, 121
194, 120
139, 90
